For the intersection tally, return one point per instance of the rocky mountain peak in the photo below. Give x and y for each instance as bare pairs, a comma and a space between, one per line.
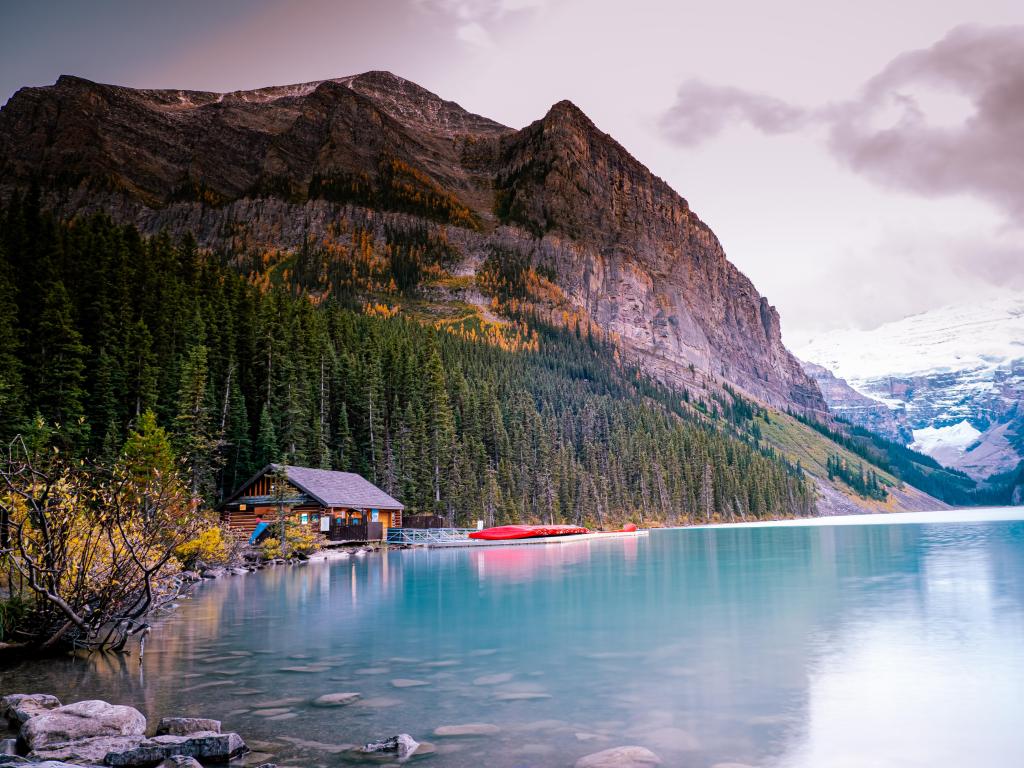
273, 167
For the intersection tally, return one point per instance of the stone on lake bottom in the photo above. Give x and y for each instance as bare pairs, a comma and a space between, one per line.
336, 699
82, 720
467, 729
183, 726
620, 757
402, 682
497, 679
379, 702
271, 712
521, 696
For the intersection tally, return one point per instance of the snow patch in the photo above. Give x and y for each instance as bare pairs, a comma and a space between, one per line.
945, 444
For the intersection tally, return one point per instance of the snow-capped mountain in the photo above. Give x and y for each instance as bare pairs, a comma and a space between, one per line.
954, 376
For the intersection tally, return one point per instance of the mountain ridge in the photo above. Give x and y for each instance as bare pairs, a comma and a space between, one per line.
625, 252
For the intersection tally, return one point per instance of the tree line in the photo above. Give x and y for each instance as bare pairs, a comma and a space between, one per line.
99, 326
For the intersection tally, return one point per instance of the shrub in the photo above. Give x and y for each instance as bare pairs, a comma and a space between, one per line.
213, 546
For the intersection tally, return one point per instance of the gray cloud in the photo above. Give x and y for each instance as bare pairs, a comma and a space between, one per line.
891, 134
702, 111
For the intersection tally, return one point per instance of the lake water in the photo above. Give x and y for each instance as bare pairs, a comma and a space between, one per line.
891, 641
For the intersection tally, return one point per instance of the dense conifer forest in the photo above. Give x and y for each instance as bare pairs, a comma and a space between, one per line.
99, 325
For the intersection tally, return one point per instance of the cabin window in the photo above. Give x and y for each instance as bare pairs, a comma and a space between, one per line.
304, 518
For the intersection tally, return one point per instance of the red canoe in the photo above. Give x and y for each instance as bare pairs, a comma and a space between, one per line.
505, 532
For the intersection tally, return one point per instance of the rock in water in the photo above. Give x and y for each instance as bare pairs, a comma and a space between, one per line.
335, 699
180, 761
183, 726
403, 745
91, 751
620, 757
209, 746
19, 707
82, 720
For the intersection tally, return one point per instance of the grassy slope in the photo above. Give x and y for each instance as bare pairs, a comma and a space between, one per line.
798, 442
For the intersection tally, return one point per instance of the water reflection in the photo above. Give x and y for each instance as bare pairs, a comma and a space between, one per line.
770, 646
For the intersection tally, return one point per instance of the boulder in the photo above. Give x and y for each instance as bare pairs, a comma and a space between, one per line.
89, 750
180, 761
620, 757
211, 573
204, 745
8, 746
335, 699
403, 746
13, 760
467, 729
183, 726
82, 720
19, 707
190, 577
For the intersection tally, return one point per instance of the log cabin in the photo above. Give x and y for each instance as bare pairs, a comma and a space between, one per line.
343, 506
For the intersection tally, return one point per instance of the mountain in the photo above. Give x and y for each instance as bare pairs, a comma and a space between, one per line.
610, 247
549, 242
954, 376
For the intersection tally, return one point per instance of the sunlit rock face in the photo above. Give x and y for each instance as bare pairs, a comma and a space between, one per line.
953, 376
274, 167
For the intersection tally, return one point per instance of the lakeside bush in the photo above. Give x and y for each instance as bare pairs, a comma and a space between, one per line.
87, 549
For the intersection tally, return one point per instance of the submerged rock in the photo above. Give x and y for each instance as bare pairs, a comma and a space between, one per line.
19, 707
467, 729
336, 699
402, 682
82, 720
403, 746
183, 726
620, 757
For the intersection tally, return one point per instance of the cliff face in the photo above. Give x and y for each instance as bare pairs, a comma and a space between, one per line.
843, 400
270, 167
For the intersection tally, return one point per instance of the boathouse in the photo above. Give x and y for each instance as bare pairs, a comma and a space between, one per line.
343, 506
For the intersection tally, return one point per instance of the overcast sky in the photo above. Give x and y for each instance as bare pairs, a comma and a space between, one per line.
859, 161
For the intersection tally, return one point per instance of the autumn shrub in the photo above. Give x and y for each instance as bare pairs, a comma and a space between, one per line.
211, 547
299, 539
89, 548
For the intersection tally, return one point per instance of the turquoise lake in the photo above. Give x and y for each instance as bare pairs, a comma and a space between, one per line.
883, 641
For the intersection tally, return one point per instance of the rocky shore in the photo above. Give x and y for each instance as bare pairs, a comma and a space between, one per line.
43, 733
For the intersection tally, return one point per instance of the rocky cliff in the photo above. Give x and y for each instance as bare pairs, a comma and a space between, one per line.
277, 167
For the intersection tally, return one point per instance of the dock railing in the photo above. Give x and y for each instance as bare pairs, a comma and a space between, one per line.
427, 536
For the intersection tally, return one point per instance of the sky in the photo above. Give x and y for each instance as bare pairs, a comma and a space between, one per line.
858, 161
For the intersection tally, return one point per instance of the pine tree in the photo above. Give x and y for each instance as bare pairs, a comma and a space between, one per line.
265, 451
195, 433
12, 393
60, 366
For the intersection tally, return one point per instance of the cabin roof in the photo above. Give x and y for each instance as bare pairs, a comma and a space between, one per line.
331, 488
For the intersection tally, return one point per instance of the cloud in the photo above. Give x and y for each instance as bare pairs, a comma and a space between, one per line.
943, 120
473, 18
701, 111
